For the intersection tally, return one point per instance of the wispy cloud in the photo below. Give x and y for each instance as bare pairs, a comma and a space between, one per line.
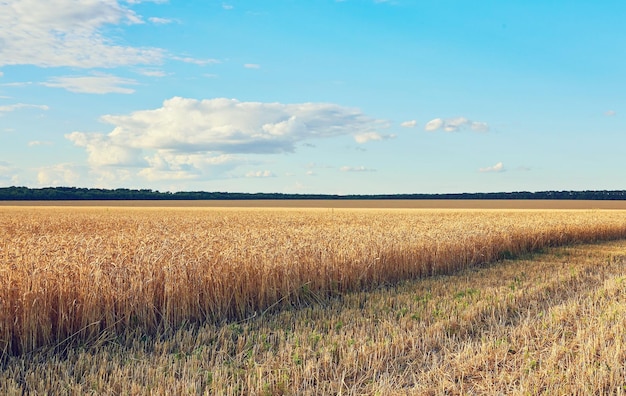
18, 106
260, 174
499, 167
9, 174
610, 113
68, 33
372, 136
34, 143
153, 73
95, 84
18, 84
356, 169
455, 124
227, 6
195, 61
146, 1
6, 171
409, 124
160, 21
252, 66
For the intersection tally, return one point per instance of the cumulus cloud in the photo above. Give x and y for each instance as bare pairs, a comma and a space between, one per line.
168, 165
58, 175
96, 84
356, 169
104, 151
409, 124
455, 124
186, 136
499, 167
18, 106
67, 33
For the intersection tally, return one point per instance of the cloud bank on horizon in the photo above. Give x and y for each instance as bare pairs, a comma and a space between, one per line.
245, 96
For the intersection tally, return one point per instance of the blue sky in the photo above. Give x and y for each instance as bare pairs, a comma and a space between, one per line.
318, 96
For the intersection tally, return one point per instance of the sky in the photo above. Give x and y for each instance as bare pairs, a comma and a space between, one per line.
314, 96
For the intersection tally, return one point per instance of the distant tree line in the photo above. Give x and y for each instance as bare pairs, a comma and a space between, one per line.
79, 194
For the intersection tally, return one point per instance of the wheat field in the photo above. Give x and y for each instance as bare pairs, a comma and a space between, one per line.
550, 323
71, 275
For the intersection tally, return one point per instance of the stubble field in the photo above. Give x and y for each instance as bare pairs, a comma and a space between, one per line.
303, 301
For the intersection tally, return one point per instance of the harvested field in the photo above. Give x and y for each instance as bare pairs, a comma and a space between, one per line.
71, 275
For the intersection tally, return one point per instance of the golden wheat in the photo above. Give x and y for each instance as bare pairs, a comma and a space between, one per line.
75, 274
546, 324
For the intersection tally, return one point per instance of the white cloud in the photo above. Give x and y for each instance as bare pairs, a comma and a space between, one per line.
112, 177
103, 151
231, 126
146, 1
18, 106
160, 21
433, 125
34, 143
227, 6
356, 169
252, 66
409, 124
188, 137
153, 73
58, 175
479, 126
199, 62
96, 84
371, 136
610, 113
260, 174
455, 124
1, 74
499, 167
57, 33
18, 84
168, 165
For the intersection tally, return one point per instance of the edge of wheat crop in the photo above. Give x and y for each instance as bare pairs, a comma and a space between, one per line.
76, 275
